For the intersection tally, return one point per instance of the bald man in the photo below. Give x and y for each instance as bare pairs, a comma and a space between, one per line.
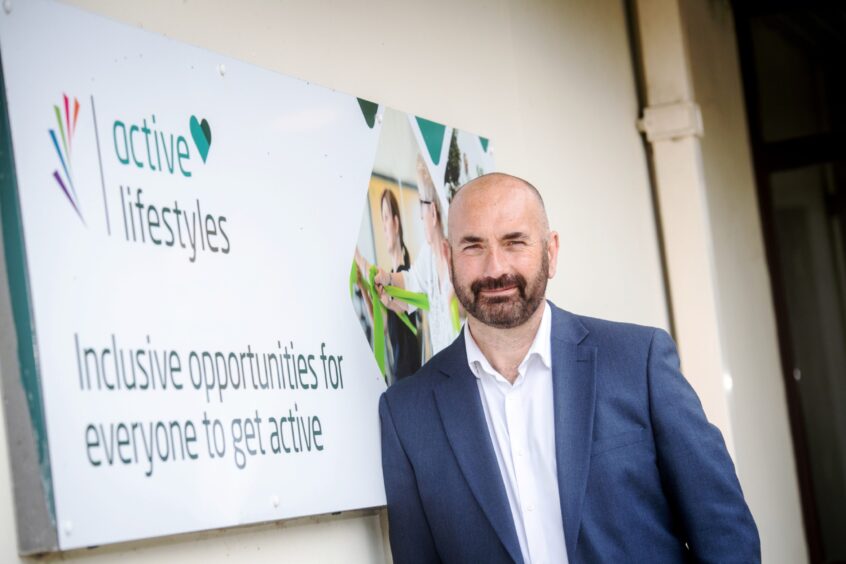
546, 437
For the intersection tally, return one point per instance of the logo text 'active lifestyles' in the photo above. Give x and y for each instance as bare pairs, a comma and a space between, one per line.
147, 146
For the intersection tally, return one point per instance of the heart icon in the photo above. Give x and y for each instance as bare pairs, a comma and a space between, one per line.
201, 132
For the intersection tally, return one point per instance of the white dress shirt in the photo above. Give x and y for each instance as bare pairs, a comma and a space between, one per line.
520, 421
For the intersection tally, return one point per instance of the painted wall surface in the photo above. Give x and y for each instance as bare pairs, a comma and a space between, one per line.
551, 83
757, 405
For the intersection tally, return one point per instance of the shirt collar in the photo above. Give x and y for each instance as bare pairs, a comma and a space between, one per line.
541, 347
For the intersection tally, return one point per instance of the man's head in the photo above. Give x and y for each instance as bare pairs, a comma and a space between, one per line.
501, 249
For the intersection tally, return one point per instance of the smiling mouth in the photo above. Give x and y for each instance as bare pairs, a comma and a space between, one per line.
502, 289
498, 291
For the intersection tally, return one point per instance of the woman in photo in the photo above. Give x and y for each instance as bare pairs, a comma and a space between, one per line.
429, 273
405, 356
405, 346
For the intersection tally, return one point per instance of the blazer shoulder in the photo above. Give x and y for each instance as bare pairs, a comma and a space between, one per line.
603, 332
606, 326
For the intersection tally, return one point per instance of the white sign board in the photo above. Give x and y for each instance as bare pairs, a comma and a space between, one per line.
188, 223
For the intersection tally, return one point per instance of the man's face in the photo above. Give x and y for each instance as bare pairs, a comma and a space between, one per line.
501, 254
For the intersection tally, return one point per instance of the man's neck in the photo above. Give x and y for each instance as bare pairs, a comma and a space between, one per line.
505, 349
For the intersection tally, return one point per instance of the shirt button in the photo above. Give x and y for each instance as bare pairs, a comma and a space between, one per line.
530, 508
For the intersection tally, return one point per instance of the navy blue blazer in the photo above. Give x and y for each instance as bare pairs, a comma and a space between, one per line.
643, 476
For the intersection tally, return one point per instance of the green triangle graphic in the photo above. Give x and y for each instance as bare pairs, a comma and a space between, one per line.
433, 135
368, 108
484, 141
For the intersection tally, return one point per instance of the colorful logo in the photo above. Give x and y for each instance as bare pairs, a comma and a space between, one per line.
66, 125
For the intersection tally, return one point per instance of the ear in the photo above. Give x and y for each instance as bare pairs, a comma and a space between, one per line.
552, 253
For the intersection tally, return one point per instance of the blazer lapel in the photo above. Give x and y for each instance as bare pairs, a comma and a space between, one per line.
463, 417
574, 389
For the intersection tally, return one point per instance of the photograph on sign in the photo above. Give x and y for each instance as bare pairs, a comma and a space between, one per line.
400, 284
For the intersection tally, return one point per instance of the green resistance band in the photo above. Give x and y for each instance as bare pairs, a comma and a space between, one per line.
418, 300
455, 315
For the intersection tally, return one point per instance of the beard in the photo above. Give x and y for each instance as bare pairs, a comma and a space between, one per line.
504, 312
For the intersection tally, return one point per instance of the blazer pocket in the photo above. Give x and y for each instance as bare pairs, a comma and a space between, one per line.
604, 444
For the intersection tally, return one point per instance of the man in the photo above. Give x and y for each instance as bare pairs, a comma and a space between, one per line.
543, 436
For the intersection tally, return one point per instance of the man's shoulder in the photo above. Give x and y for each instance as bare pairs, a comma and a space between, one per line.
608, 328
593, 331
601, 328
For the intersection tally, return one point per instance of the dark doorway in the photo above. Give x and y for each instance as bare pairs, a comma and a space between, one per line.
793, 60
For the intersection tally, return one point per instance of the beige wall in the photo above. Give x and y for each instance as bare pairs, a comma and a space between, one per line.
549, 82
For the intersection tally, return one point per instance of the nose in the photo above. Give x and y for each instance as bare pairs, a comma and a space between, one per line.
495, 262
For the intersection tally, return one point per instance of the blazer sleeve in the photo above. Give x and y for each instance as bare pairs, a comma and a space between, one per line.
408, 529
696, 470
